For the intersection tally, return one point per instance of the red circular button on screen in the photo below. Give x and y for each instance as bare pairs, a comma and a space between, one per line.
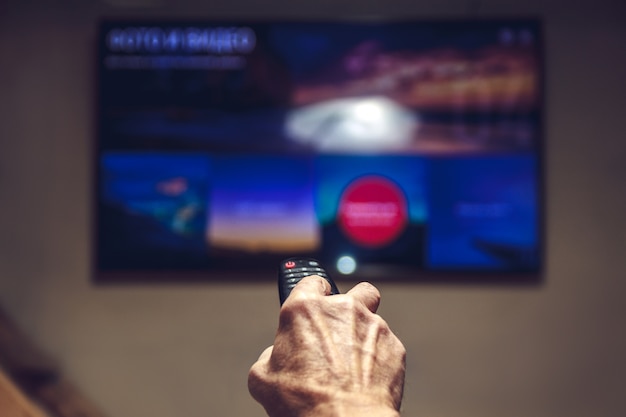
373, 211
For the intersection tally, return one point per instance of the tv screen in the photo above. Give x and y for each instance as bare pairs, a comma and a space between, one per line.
384, 149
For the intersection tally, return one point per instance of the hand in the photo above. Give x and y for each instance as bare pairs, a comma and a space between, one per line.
332, 356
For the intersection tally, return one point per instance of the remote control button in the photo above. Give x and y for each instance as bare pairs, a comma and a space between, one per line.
294, 270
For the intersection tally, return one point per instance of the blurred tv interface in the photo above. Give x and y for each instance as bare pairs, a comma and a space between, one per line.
412, 146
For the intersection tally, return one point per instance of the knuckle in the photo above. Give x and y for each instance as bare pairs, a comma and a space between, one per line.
370, 288
346, 303
255, 378
401, 350
380, 323
258, 379
297, 304
287, 313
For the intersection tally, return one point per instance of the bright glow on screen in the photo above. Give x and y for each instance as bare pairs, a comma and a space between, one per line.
356, 125
346, 265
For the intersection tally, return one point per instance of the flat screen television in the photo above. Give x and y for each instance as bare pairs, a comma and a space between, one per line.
387, 150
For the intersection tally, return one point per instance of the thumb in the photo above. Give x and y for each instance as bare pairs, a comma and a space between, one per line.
311, 286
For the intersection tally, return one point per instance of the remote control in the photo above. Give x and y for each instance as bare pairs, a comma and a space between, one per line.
292, 270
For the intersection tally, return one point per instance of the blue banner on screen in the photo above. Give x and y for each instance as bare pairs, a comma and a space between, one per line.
406, 146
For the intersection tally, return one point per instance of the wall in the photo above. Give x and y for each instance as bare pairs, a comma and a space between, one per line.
184, 350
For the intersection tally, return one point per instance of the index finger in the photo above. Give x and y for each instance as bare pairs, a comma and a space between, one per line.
367, 294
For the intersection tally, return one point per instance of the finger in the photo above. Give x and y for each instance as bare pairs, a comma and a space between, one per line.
367, 294
311, 285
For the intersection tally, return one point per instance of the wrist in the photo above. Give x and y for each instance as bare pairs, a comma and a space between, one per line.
351, 407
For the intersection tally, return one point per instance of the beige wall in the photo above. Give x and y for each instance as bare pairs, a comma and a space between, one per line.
184, 350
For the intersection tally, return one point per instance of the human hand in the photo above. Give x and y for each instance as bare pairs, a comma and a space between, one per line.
332, 356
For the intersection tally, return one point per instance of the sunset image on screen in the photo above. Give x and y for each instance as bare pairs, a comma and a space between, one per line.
262, 205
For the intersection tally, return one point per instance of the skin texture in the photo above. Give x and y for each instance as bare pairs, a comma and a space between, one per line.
332, 356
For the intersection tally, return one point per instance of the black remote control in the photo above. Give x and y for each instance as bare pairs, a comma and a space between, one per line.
292, 270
